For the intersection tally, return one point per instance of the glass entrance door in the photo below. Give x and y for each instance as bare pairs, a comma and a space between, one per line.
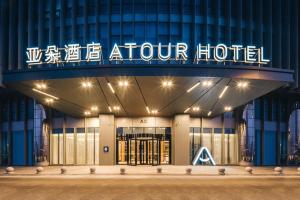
143, 148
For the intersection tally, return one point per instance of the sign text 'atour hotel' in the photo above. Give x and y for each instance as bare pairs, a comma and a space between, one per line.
147, 52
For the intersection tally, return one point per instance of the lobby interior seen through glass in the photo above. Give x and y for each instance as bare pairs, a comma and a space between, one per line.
143, 146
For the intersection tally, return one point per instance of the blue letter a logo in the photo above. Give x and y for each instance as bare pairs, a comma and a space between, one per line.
203, 155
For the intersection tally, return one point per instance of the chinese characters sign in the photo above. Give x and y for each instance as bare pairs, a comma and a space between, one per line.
146, 52
72, 53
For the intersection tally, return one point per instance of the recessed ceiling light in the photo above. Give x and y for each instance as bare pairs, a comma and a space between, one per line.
123, 83
207, 83
223, 91
109, 108
110, 87
49, 100
86, 113
41, 86
154, 112
116, 108
242, 84
196, 108
94, 108
227, 108
193, 87
86, 84
167, 84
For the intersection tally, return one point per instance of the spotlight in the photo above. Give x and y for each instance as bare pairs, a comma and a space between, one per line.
41, 86
86, 113
207, 83
109, 108
242, 84
123, 83
116, 108
167, 84
227, 108
94, 108
86, 84
196, 109
49, 100
154, 112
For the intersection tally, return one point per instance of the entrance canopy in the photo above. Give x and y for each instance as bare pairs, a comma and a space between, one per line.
202, 91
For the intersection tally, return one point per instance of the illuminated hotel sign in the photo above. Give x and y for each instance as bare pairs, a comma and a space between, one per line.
147, 52
203, 155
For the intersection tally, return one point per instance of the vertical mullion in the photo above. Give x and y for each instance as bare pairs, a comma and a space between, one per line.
73, 20
26, 139
21, 38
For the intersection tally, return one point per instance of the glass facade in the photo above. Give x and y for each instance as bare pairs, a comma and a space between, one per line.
222, 144
74, 146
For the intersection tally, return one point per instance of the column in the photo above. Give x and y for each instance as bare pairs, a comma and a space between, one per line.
180, 139
107, 139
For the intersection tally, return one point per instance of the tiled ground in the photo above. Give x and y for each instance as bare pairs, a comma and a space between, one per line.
151, 170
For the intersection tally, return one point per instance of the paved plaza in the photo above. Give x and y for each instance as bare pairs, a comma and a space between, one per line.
151, 170
143, 182
150, 187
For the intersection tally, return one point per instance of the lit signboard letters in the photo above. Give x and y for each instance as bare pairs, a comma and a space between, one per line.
146, 52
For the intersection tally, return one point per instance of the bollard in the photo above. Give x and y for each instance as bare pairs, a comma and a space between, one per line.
92, 170
63, 170
122, 171
298, 170
159, 170
188, 171
278, 170
221, 171
9, 170
249, 170
39, 170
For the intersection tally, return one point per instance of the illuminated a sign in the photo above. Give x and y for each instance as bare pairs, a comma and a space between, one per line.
203, 155
147, 52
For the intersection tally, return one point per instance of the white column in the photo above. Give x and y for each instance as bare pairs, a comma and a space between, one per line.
107, 138
180, 139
